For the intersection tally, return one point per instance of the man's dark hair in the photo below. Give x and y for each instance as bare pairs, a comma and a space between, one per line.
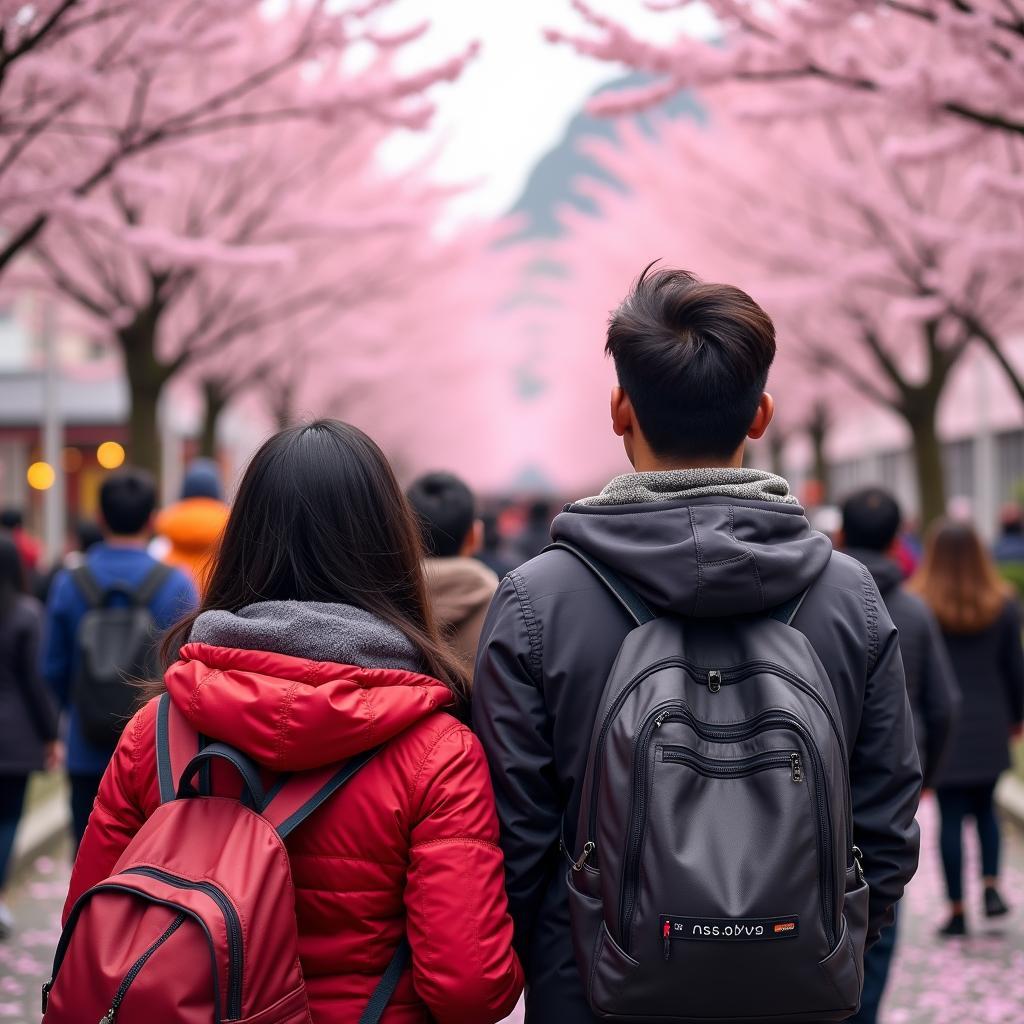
871, 519
446, 509
693, 358
12, 518
127, 500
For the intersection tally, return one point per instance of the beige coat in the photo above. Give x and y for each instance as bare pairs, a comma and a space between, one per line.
460, 591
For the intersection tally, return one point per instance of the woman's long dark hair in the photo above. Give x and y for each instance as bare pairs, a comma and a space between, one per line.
12, 573
319, 516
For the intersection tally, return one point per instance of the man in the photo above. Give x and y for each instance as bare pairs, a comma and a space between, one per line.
870, 533
694, 534
461, 587
127, 502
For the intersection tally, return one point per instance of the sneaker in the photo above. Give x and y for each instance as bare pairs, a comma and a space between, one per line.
6, 921
995, 905
956, 925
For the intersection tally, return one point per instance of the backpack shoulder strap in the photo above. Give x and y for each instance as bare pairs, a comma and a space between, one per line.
634, 605
176, 744
288, 804
87, 586
386, 986
786, 613
151, 583
295, 797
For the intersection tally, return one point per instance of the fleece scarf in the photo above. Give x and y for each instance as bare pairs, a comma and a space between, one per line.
319, 631
677, 484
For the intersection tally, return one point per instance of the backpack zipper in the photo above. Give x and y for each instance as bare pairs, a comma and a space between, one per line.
701, 675
236, 953
716, 768
766, 721
136, 967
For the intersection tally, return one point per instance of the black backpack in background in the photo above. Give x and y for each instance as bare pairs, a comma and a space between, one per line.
116, 648
714, 876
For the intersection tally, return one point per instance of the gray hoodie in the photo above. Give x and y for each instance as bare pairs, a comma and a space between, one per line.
551, 637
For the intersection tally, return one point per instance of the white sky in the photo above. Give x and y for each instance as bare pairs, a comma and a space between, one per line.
513, 102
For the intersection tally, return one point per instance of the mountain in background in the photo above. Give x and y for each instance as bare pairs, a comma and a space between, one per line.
554, 179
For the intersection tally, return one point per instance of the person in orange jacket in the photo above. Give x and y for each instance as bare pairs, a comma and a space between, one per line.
193, 525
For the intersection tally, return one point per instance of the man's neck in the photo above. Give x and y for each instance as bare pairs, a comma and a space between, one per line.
650, 463
138, 541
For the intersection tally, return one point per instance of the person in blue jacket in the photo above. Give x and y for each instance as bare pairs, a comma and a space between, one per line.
127, 505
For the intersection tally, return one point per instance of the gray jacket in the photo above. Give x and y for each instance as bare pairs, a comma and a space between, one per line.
549, 642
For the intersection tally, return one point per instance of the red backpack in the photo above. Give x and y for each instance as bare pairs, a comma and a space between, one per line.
196, 924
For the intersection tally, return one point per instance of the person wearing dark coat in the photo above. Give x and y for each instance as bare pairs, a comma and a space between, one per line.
694, 534
981, 624
28, 721
870, 533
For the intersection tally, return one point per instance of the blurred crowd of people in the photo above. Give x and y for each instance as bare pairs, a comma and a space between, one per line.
958, 619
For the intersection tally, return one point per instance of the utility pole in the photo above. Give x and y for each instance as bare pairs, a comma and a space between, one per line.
53, 435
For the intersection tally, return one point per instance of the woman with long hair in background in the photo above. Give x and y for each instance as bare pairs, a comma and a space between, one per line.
28, 721
981, 623
315, 643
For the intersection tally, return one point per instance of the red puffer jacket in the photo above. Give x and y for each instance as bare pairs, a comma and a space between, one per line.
408, 847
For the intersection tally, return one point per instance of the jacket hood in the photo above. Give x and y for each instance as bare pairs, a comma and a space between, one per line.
193, 524
887, 573
703, 557
459, 588
297, 685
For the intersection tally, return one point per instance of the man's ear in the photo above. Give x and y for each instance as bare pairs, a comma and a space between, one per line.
623, 417
763, 416
474, 542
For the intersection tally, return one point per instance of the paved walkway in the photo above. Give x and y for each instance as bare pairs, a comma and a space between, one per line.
977, 980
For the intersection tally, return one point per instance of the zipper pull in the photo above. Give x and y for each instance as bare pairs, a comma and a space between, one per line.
858, 860
588, 848
46, 993
666, 935
109, 1017
661, 718
798, 767
714, 680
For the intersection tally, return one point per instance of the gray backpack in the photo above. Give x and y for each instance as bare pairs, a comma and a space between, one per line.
714, 876
116, 650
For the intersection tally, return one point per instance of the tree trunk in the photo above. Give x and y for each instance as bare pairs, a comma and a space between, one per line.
777, 452
928, 465
817, 431
216, 400
146, 379
144, 448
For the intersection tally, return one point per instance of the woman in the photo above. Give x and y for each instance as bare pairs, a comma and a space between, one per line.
981, 623
320, 563
28, 723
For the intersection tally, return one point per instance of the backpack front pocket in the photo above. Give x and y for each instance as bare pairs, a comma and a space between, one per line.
726, 869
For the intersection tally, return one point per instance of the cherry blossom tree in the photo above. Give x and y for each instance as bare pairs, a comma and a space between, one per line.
849, 253
943, 78
428, 369
205, 250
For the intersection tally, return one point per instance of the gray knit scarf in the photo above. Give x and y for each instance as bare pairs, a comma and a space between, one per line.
676, 484
316, 630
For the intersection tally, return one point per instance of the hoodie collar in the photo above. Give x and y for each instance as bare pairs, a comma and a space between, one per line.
315, 630
710, 556
677, 484
299, 685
